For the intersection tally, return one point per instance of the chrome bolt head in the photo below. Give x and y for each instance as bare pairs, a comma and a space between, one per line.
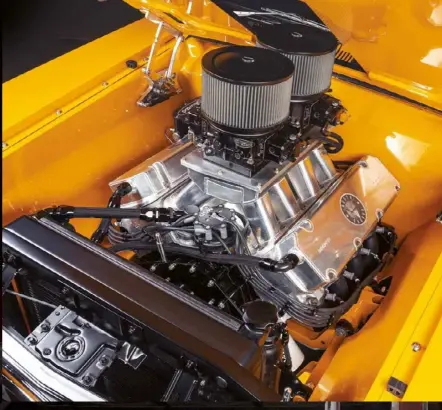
416, 347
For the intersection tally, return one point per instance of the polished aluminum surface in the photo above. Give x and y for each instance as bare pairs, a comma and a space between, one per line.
230, 186
291, 208
324, 238
36, 376
156, 176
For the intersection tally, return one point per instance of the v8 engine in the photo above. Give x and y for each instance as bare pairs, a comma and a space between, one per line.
252, 172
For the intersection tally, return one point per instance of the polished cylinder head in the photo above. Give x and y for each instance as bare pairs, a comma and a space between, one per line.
312, 51
246, 88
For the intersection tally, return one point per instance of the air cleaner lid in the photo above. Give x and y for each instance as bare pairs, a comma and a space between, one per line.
247, 65
297, 39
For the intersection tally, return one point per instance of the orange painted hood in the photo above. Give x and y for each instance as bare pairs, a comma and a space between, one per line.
397, 42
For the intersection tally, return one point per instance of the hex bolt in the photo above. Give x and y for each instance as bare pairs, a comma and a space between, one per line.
104, 83
45, 327
210, 283
104, 361
59, 112
416, 347
87, 380
192, 269
4, 145
47, 352
131, 330
32, 340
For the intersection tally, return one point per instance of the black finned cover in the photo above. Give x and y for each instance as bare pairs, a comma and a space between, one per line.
247, 65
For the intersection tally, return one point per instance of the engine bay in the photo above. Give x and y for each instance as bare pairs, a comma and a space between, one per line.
224, 267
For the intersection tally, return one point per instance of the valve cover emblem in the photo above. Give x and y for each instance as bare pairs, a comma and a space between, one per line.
353, 209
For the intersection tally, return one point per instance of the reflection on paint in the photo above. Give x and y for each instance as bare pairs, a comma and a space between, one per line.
433, 58
436, 14
407, 150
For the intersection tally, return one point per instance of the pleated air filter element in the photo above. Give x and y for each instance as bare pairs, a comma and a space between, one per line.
246, 88
312, 51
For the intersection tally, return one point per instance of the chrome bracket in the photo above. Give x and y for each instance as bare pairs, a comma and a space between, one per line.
166, 86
